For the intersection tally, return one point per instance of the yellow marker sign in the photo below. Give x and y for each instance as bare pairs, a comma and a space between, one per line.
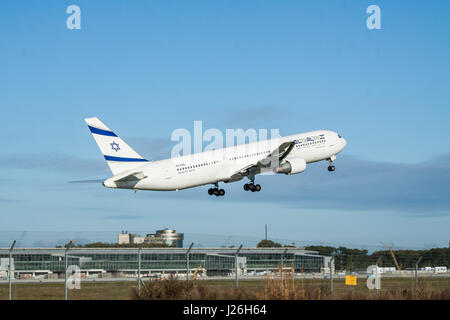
350, 280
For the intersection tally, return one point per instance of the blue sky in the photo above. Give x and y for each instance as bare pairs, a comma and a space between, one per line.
156, 66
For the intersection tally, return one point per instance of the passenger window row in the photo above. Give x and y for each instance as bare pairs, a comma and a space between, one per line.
249, 155
310, 143
198, 165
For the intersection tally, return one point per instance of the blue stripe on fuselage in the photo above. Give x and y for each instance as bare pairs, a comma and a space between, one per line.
111, 158
102, 132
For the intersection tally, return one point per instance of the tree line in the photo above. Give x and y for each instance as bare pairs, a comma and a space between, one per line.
356, 259
124, 245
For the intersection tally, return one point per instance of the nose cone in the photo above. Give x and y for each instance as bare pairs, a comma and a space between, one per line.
343, 143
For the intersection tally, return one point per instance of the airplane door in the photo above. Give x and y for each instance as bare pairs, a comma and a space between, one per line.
168, 173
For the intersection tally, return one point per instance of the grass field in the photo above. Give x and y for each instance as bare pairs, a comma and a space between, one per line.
392, 288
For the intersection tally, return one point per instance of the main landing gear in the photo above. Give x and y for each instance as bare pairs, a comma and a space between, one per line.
252, 187
216, 191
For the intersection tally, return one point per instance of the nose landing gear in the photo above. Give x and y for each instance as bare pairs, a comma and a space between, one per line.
331, 167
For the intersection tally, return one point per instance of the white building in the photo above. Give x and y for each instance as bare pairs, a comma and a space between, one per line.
123, 238
127, 238
440, 269
166, 236
138, 239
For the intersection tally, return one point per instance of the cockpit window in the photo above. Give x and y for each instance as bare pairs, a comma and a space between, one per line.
339, 135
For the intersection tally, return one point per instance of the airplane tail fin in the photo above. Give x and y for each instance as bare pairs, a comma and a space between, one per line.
119, 156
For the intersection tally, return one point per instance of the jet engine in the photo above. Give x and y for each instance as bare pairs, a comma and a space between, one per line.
292, 166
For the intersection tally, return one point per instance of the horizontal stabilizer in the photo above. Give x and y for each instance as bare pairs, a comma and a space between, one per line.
136, 176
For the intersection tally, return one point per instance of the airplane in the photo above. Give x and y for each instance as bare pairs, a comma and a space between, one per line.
284, 155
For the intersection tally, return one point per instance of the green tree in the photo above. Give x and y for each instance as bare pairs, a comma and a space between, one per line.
127, 245
268, 244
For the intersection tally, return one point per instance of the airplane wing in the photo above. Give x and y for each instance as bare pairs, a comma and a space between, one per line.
268, 163
276, 156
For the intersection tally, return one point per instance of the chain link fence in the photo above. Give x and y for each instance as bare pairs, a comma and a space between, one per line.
122, 273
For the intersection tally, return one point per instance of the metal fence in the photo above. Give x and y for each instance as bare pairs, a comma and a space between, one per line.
65, 266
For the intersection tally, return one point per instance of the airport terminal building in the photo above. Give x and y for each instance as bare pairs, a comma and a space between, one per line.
125, 261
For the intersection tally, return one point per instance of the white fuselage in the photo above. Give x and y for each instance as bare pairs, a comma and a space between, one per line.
214, 166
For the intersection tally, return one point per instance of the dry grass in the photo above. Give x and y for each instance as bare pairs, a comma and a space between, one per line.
55, 291
273, 288
291, 289
268, 288
174, 289
425, 292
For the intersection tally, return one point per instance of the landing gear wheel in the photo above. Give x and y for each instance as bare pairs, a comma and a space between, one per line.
210, 191
331, 168
216, 192
252, 187
221, 192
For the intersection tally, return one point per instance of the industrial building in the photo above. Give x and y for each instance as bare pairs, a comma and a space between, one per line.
124, 261
166, 237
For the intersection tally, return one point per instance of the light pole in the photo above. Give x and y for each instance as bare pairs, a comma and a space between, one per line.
417, 278
10, 269
282, 256
68, 246
236, 265
139, 269
187, 267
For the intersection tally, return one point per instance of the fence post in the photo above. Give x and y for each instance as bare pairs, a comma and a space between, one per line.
282, 256
236, 265
377, 274
68, 246
187, 267
331, 272
9, 270
417, 277
139, 269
